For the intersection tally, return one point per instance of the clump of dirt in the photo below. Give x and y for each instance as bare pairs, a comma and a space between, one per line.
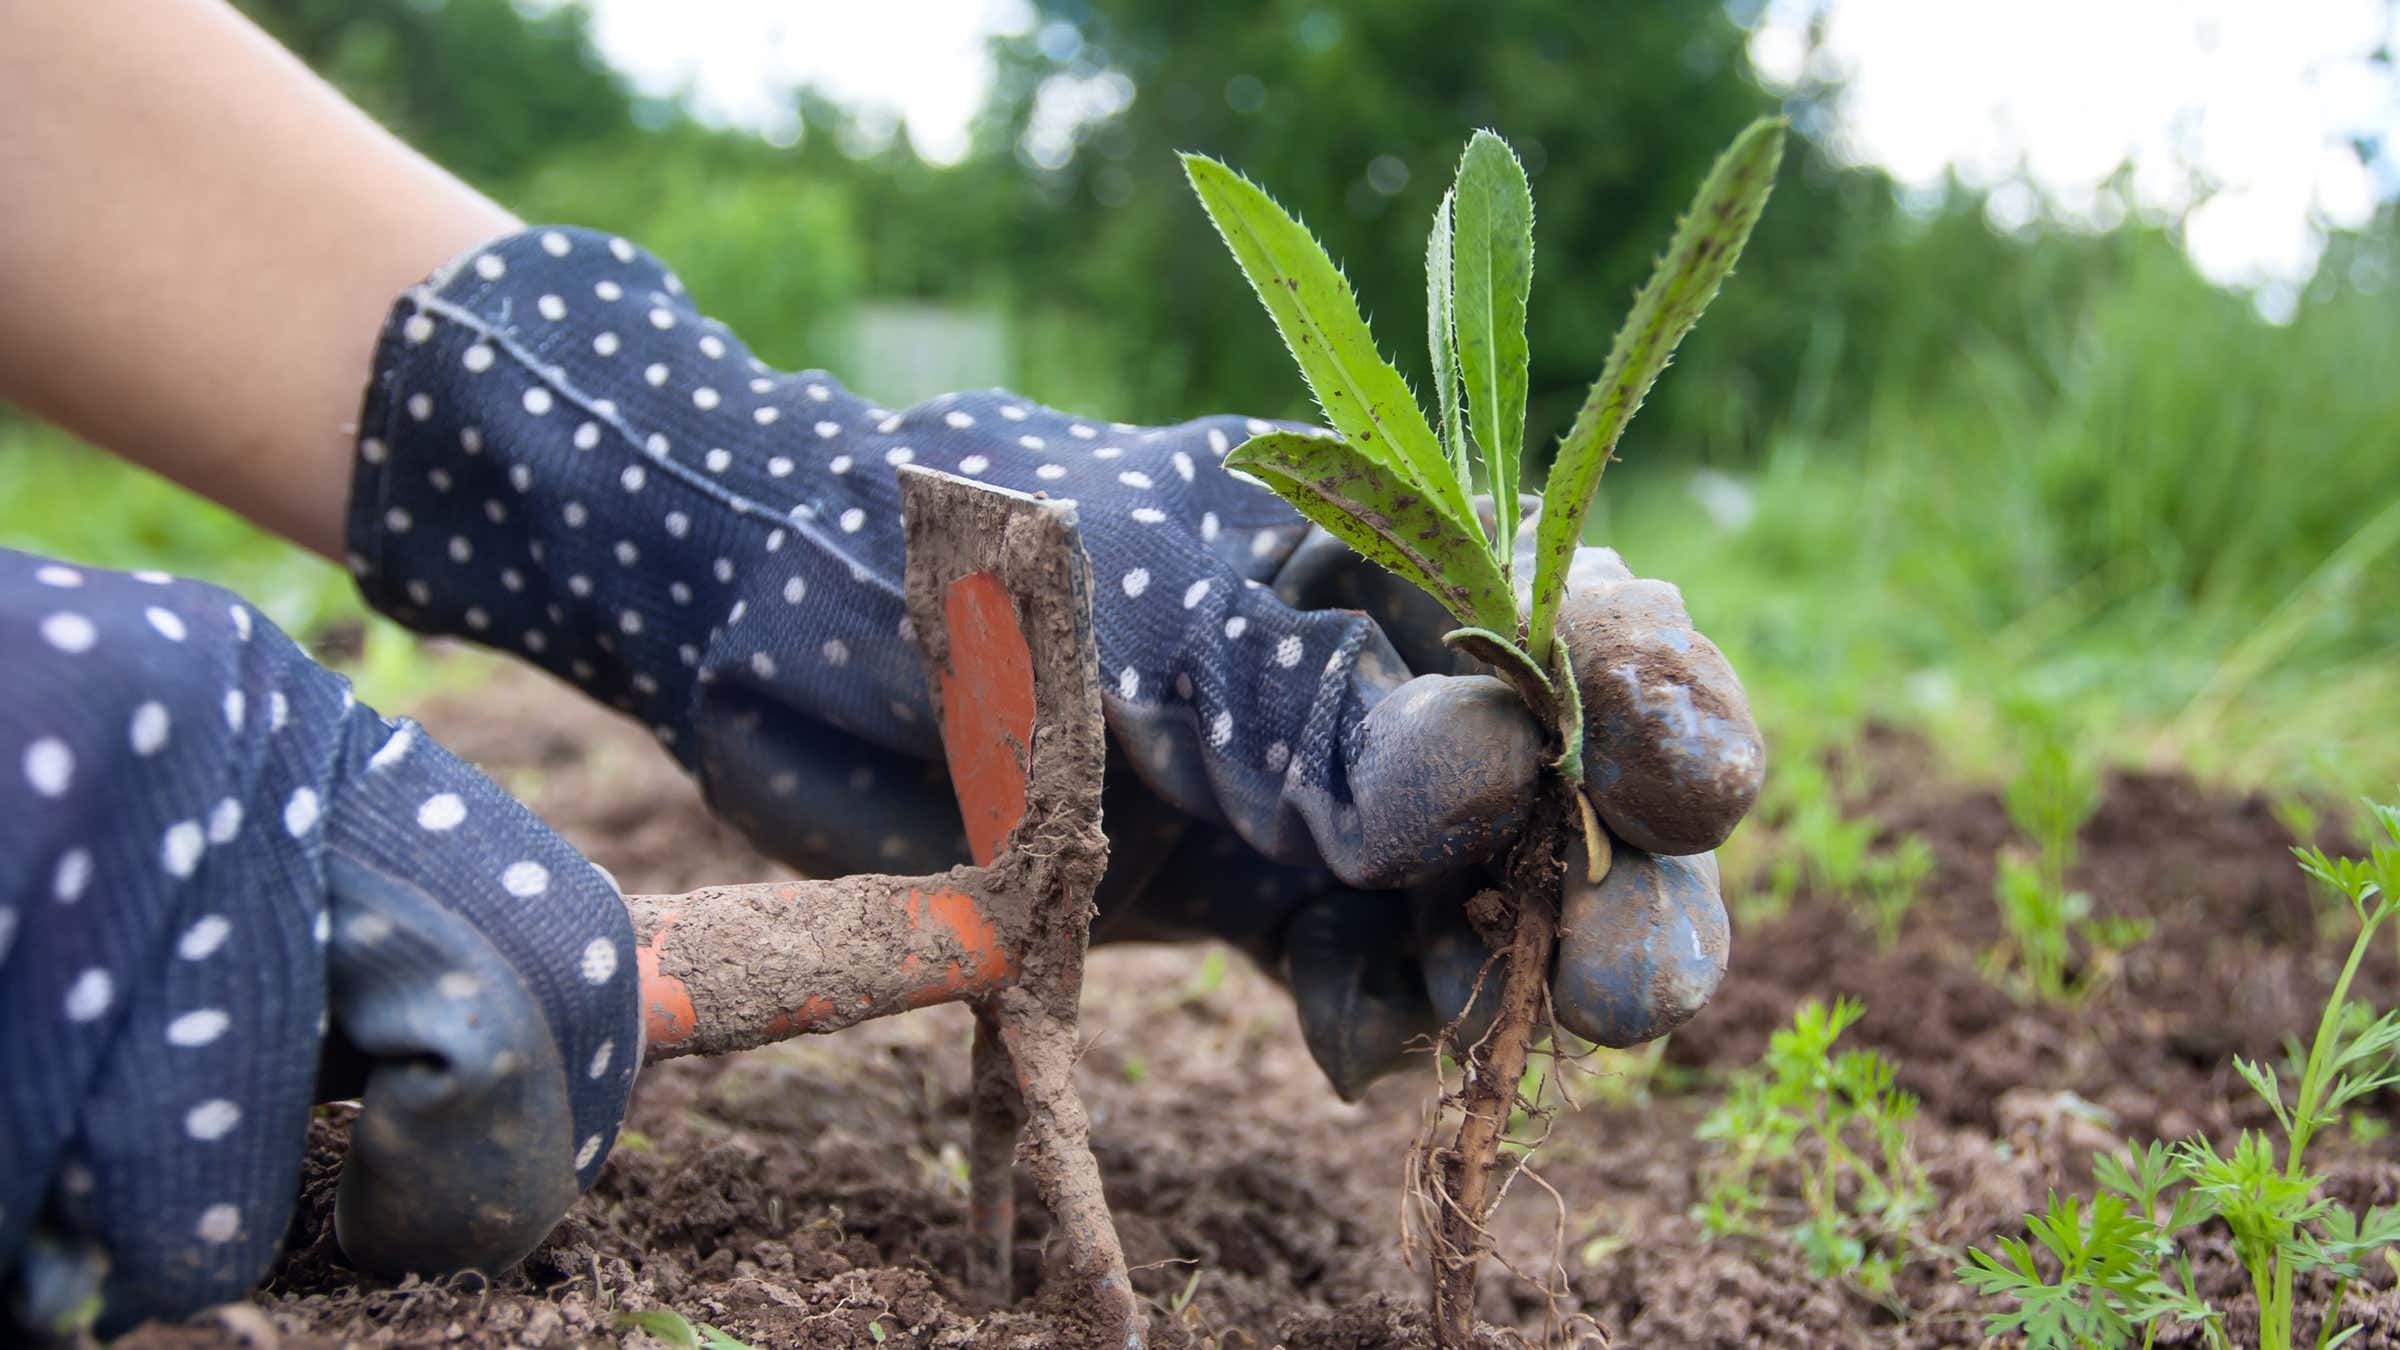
813, 1193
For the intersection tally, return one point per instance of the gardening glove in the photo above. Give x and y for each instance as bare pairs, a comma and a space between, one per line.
228, 891
560, 455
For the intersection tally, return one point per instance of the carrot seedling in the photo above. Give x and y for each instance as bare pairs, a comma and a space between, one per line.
1832, 1127
2108, 1270
2053, 796
1399, 487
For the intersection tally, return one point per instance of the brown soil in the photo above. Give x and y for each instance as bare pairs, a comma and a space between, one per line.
813, 1193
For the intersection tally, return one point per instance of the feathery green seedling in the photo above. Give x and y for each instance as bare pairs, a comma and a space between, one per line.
1800, 834
2298, 816
1399, 487
2097, 1274
2055, 791
1891, 885
1821, 845
1832, 1127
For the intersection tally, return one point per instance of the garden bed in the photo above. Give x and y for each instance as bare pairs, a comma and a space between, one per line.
813, 1194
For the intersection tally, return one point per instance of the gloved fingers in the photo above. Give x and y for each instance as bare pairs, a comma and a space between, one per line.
1461, 978
818, 798
463, 1154
159, 983
483, 972
1675, 757
1357, 987
1642, 951
1672, 757
1172, 880
1443, 775
1637, 954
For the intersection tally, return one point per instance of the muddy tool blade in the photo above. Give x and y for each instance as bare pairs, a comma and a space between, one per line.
999, 597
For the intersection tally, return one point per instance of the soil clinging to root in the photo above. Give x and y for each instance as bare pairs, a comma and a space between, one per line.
813, 1193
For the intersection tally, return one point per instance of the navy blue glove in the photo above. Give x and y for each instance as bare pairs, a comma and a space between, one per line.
228, 891
561, 456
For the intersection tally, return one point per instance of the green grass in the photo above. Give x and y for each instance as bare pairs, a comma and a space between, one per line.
2184, 524
62, 499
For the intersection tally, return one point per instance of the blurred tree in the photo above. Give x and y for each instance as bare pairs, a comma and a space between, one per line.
484, 87
763, 239
1072, 216
1353, 116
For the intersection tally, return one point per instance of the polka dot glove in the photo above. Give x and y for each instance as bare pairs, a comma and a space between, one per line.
560, 455
228, 891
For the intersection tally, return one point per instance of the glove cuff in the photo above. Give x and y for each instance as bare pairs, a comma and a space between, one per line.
560, 456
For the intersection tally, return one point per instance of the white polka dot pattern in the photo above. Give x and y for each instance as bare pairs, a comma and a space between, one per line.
682, 529
182, 793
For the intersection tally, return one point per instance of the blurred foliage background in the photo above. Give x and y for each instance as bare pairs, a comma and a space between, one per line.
1911, 467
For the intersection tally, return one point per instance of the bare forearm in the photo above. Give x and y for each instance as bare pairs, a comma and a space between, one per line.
198, 239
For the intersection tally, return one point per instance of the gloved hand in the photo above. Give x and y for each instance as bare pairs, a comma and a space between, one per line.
560, 455
228, 891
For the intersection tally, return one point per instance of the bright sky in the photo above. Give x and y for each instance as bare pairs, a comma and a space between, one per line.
921, 61
2246, 107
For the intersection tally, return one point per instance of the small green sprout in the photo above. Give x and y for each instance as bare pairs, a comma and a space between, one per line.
1801, 835
1891, 884
2055, 792
1183, 1300
2098, 1273
1208, 979
677, 1330
1831, 1127
1400, 488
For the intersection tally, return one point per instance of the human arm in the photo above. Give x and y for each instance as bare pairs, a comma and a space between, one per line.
198, 238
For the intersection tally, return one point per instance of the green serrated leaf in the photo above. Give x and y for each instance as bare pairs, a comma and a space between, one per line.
1363, 397
1704, 250
1493, 258
2262, 1081
1367, 506
1440, 319
2381, 1227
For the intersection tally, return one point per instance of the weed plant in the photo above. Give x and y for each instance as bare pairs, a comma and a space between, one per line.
1397, 483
